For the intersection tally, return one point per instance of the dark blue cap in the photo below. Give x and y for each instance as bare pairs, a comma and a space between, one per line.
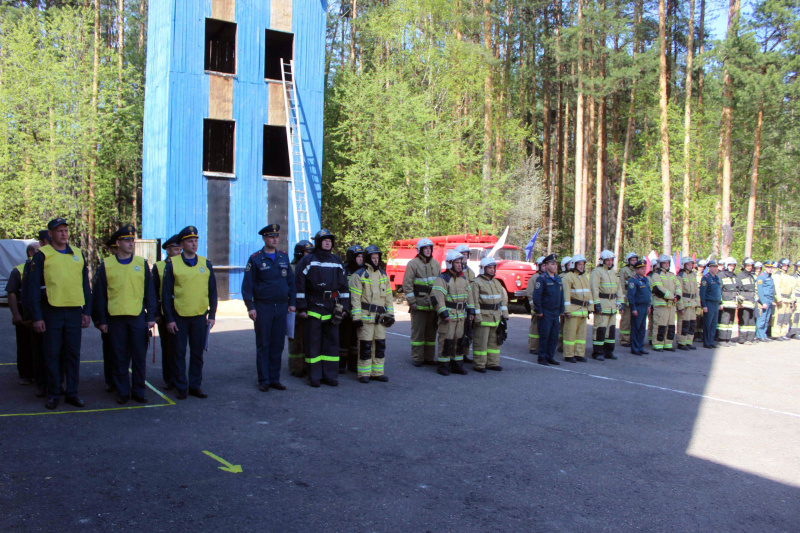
56, 222
551, 257
172, 241
127, 231
44, 235
270, 230
187, 233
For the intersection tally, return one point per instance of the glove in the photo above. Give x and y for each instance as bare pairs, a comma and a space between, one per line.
387, 320
358, 324
598, 308
337, 315
620, 306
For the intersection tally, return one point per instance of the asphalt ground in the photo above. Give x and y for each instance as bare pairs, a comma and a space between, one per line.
697, 441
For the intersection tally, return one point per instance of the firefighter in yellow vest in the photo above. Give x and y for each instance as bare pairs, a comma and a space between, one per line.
687, 305
605, 296
373, 312
533, 330
577, 304
168, 370
625, 274
297, 351
449, 298
784, 301
61, 304
489, 300
125, 303
417, 284
666, 293
566, 268
189, 297
462, 346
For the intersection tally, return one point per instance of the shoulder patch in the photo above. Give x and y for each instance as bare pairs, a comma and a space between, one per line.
247, 268
538, 284
704, 282
761, 282
631, 285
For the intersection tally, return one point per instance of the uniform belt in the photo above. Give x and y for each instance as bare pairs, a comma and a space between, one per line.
607, 296
490, 307
419, 291
582, 303
690, 296
786, 295
458, 306
372, 308
330, 295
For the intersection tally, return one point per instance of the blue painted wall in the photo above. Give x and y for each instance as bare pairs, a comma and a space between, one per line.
176, 102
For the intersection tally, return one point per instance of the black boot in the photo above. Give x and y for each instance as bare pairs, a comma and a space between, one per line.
442, 369
457, 367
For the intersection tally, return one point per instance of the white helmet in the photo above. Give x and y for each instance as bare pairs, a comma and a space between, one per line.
748, 261
539, 260
452, 256
485, 262
663, 258
564, 262
606, 254
728, 261
686, 259
702, 262
759, 264
462, 248
653, 262
423, 242
578, 258
630, 256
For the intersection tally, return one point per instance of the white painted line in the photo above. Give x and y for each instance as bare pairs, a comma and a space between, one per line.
676, 391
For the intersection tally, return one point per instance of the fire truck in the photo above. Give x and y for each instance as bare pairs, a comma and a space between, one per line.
512, 271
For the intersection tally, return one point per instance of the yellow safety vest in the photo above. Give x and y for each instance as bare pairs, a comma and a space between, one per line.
125, 286
20, 269
191, 286
63, 277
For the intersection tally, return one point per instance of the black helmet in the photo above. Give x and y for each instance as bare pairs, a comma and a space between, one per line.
301, 247
372, 249
784, 262
352, 252
323, 234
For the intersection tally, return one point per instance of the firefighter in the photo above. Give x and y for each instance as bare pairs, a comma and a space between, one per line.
297, 355
687, 305
577, 303
666, 293
626, 273
548, 306
168, 370
462, 346
730, 295
758, 268
348, 335
449, 298
61, 305
533, 330
650, 326
417, 283
605, 299
639, 298
794, 331
125, 303
189, 297
698, 332
566, 267
784, 301
373, 312
710, 299
747, 302
489, 300
323, 297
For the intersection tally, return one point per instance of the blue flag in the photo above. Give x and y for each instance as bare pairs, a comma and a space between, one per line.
529, 246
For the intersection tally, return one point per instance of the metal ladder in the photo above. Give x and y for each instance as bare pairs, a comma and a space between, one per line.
294, 141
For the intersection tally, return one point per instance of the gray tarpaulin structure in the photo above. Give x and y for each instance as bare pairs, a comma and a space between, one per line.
12, 253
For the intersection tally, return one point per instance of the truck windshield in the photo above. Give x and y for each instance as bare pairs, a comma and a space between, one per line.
503, 254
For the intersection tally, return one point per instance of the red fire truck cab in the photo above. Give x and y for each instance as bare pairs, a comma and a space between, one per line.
512, 271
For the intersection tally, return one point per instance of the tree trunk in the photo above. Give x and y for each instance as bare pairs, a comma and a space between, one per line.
90, 231
487, 97
727, 124
751, 205
663, 104
599, 178
687, 135
579, 231
353, 13
700, 78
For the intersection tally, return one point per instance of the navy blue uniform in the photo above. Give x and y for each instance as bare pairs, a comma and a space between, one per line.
269, 288
548, 299
639, 301
25, 366
127, 335
61, 340
765, 295
191, 329
710, 298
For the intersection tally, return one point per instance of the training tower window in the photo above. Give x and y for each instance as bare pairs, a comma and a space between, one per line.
276, 153
218, 146
220, 46
278, 45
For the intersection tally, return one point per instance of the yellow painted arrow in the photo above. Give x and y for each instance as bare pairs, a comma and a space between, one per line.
234, 469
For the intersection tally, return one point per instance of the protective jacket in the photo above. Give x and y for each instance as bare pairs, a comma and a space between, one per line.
784, 287
665, 287
577, 294
370, 294
730, 288
604, 289
418, 281
488, 297
625, 274
690, 297
449, 296
321, 282
747, 289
